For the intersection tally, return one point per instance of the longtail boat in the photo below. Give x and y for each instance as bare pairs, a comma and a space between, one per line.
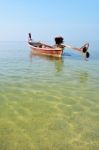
57, 49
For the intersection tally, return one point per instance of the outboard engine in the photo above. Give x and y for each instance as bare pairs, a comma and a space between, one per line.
59, 40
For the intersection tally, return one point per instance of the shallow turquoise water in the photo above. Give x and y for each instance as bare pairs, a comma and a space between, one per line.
47, 103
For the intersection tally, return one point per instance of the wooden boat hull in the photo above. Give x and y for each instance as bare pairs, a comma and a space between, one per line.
55, 52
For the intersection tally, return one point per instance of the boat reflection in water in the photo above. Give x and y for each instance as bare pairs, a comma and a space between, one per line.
83, 77
58, 61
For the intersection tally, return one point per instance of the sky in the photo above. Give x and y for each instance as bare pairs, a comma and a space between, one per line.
45, 19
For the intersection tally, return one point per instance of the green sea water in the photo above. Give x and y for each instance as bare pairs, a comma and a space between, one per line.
47, 103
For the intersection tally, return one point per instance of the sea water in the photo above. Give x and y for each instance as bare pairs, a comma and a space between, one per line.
48, 103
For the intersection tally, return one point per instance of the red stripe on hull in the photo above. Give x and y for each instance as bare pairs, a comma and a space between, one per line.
47, 51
